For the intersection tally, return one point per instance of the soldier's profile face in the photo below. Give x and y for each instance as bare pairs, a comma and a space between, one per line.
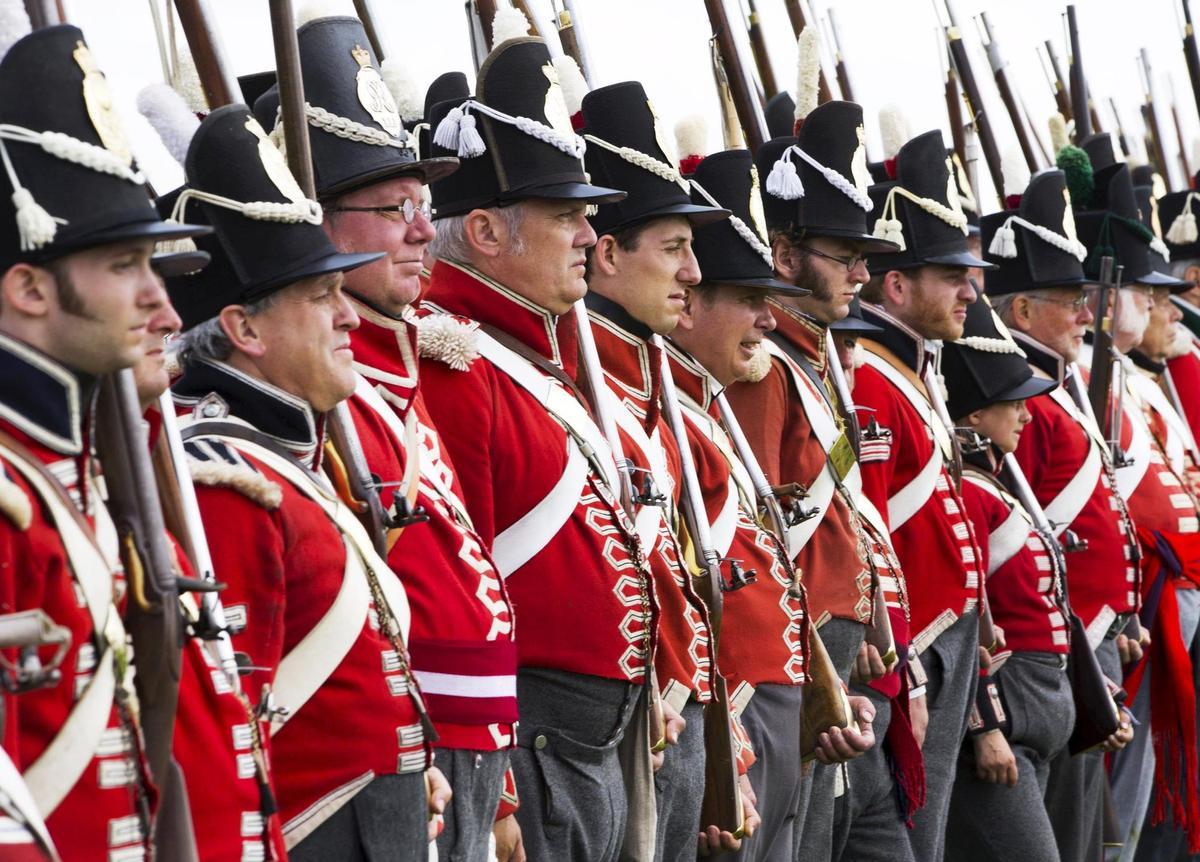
936, 300
553, 236
1160, 332
101, 304
1057, 322
305, 338
654, 274
723, 327
833, 286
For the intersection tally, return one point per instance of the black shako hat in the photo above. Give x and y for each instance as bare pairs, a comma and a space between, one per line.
356, 133
734, 250
780, 114
1177, 215
822, 176
626, 149
267, 235
446, 87
853, 322
920, 210
1034, 245
985, 365
1160, 253
514, 137
1110, 224
68, 179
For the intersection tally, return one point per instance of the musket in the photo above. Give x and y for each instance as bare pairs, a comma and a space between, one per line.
1180, 141
486, 12
1190, 53
758, 47
799, 20
366, 14
584, 59
568, 37
1007, 93
1150, 114
983, 126
45, 13
741, 88
152, 614
523, 7
1033, 129
1121, 139
953, 100
1106, 385
1079, 90
731, 128
1054, 77
219, 85
479, 45
839, 58
722, 804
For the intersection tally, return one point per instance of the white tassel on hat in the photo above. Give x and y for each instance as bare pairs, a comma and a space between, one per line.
14, 24
892, 230
457, 132
572, 82
311, 10
1015, 171
1004, 243
1183, 228
893, 129
784, 180
410, 103
166, 111
808, 71
35, 226
691, 136
1058, 132
509, 23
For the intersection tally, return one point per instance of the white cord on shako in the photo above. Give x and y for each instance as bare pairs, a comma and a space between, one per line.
749, 234
784, 180
1004, 243
306, 211
642, 160
890, 228
457, 131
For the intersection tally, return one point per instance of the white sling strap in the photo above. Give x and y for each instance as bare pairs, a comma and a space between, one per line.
1069, 502
648, 517
19, 797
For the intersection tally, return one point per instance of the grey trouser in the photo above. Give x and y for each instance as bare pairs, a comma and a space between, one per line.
477, 778
1164, 841
679, 786
573, 804
386, 820
815, 827
772, 721
952, 665
997, 823
875, 830
1075, 790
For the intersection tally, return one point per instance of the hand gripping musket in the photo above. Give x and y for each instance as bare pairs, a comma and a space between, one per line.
958, 51
1007, 94
741, 88
152, 615
1054, 77
722, 806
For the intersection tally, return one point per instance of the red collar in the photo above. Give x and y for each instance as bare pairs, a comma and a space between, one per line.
631, 363
458, 289
691, 378
386, 345
802, 331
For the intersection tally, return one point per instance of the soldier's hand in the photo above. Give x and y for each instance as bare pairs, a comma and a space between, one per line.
918, 717
673, 727
1128, 651
438, 792
713, 840
510, 846
1122, 737
837, 745
985, 659
869, 666
994, 761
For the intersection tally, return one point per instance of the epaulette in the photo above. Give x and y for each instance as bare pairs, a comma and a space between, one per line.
448, 339
760, 366
14, 503
218, 465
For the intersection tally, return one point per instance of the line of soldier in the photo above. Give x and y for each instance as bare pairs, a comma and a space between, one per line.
529, 668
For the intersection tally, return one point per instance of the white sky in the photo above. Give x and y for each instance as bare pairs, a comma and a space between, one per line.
891, 49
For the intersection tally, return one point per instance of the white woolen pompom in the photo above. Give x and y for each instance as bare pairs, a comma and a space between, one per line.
808, 71
1015, 171
311, 10
170, 116
1058, 132
509, 23
410, 101
14, 24
691, 136
893, 129
571, 80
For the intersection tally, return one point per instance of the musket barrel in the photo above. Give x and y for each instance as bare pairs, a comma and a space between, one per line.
1079, 91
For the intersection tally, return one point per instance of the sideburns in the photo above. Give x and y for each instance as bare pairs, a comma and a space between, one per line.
69, 298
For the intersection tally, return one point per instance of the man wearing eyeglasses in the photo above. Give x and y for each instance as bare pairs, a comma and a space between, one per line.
463, 653
1040, 290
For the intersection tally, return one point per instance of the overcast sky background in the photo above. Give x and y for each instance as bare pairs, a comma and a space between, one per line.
892, 49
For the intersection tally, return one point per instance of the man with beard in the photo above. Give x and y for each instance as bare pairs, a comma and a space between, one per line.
919, 296
1040, 290
805, 439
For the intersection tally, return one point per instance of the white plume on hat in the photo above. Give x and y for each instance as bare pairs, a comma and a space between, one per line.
808, 71
509, 23
311, 10
1058, 132
571, 80
14, 24
410, 103
1015, 171
187, 82
166, 111
893, 129
691, 136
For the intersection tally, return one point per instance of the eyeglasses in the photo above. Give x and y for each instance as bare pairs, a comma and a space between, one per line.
408, 210
849, 262
1076, 304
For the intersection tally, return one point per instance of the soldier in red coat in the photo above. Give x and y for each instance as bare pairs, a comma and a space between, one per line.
265, 355
919, 296
499, 351
805, 439
1038, 289
638, 272
462, 639
78, 293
